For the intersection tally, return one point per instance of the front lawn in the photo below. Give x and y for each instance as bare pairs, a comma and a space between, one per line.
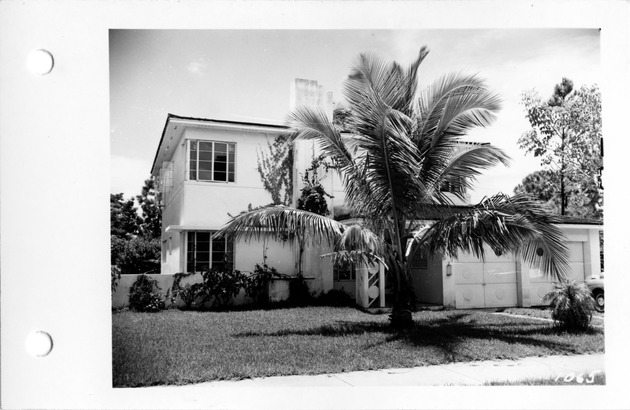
181, 347
545, 313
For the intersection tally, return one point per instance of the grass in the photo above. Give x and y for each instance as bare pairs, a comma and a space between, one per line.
181, 347
598, 380
545, 313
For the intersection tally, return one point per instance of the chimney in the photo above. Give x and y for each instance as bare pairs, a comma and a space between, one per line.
309, 92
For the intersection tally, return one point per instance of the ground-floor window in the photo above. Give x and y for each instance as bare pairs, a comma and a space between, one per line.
203, 252
344, 271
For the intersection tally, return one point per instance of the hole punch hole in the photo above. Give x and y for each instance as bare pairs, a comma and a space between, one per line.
39, 343
40, 62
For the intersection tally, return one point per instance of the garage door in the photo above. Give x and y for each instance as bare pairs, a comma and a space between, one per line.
491, 283
541, 285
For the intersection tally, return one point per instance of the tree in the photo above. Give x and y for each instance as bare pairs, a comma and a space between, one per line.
123, 217
403, 148
543, 185
151, 225
566, 135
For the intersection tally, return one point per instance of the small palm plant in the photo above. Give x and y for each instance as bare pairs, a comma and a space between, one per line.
571, 305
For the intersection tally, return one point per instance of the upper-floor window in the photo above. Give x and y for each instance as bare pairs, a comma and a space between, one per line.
212, 161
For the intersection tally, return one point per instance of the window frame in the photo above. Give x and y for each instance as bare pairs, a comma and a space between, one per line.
230, 159
228, 249
347, 265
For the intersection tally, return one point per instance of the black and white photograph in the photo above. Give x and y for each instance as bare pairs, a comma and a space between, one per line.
308, 206
312, 205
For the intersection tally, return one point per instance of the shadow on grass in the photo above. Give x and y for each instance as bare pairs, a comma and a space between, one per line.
446, 333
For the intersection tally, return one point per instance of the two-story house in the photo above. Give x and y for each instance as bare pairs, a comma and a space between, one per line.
208, 171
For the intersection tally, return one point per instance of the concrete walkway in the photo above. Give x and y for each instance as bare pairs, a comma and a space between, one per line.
472, 373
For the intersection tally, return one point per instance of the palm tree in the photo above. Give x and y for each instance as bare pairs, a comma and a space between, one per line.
401, 151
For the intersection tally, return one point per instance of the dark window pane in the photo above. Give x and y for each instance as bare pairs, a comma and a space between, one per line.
231, 177
205, 175
205, 146
205, 156
193, 145
220, 147
220, 166
203, 236
219, 176
231, 167
193, 174
205, 165
203, 257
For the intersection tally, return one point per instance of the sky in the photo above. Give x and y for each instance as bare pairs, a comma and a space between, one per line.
245, 75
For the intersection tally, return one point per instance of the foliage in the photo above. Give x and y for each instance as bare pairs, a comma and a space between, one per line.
543, 185
405, 147
123, 218
135, 241
188, 293
299, 294
145, 295
571, 305
342, 118
276, 170
115, 272
313, 195
151, 224
257, 284
135, 255
335, 297
219, 286
566, 135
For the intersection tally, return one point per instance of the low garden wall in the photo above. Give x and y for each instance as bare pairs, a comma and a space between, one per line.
278, 289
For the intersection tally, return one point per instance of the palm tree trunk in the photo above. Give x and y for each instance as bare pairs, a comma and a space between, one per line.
401, 311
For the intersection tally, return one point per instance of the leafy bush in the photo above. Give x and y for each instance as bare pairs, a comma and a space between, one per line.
136, 255
571, 305
334, 297
220, 286
299, 294
145, 295
187, 293
257, 284
115, 272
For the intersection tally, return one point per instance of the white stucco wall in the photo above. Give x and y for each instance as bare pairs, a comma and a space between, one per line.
207, 204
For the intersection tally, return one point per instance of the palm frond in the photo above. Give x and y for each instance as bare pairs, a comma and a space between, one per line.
449, 109
311, 123
358, 238
281, 222
463, 168
506, 225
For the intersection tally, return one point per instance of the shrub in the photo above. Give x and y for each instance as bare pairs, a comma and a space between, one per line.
334, 297
115, 272
220, 286
257, 284
299, 295
571, 305
145, 295
136, 255
187, 293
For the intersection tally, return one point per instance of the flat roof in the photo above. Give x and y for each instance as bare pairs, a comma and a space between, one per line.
209, 121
